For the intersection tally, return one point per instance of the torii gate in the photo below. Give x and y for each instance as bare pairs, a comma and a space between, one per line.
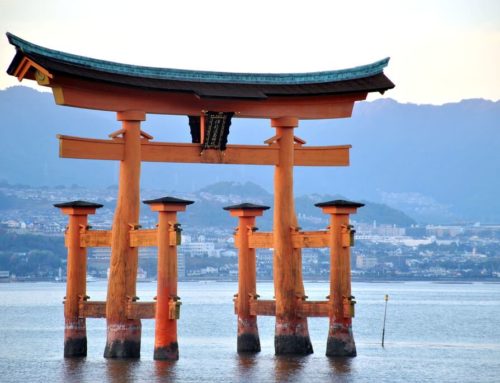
132, 92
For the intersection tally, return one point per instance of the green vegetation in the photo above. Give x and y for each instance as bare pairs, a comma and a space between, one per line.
28, 254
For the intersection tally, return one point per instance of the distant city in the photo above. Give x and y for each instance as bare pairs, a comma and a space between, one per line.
32, 244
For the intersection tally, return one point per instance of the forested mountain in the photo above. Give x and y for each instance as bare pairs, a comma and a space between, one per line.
436, 163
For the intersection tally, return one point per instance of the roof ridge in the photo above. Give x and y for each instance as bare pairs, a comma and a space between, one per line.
199, 75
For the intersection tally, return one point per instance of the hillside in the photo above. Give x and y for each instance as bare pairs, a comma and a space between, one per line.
436, 163
206, 212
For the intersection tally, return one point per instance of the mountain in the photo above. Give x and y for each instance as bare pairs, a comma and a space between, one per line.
435, 163
211, 199
207, 211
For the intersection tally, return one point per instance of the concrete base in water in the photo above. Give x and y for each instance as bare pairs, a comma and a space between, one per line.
340, 340
248, 335
124, 340
248, 343
170, 352
292, 337
75, 338
74, 348
292, 345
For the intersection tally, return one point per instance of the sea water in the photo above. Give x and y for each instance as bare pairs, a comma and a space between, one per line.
434, 333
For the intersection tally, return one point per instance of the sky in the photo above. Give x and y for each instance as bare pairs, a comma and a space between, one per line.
441, 50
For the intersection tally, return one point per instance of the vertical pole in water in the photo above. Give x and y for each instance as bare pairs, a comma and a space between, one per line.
291, 331
340, 337
123, 334
385, 314
75, 332
167, 301
248, 332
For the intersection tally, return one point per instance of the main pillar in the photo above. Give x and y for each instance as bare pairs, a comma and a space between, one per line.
75, 331
340, 337
124, 335
291, 332
167, 301
248, 332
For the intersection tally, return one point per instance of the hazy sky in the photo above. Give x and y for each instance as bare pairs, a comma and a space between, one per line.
441, 50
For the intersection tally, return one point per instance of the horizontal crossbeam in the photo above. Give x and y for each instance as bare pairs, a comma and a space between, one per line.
258, 240
95, 238
304, 308
92, 309
300, 239
314, 308
263, 307
98, 149
143, 238
94, 95
141, 310
135, 310
310, 239
102, 238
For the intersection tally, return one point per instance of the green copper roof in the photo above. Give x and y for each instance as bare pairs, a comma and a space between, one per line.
169, 201
246, 206
200, 76
340, 203
79, 203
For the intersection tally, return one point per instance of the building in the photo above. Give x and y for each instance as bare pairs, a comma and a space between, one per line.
363, 262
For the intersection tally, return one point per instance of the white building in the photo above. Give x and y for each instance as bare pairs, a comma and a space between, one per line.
199, 249
363, 262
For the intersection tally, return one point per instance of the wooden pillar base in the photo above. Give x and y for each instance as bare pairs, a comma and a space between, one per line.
170, 352
292, 337
340, 340
166, 346
167, 302
124, 340
75, 338
248, 335
75, 332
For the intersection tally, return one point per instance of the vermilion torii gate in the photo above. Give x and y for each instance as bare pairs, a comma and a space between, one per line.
132, 92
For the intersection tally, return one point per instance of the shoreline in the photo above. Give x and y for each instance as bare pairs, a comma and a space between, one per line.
460, 281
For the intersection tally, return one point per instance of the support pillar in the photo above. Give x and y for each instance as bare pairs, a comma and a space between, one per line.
75, 332
167, 301
124, 335
248, 332
291, 332
340, 337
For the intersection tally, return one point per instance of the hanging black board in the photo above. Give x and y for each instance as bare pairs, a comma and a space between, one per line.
217, 129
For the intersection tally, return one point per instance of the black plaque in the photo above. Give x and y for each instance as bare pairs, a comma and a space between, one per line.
217, 129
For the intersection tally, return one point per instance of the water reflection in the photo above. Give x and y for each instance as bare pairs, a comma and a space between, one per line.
165, 370
246, 363
288, 366
74, 369
121, 370
341, 365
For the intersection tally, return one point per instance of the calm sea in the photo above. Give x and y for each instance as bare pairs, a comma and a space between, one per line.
434, 333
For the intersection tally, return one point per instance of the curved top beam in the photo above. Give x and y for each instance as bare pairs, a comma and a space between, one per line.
201, 76
282, 93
